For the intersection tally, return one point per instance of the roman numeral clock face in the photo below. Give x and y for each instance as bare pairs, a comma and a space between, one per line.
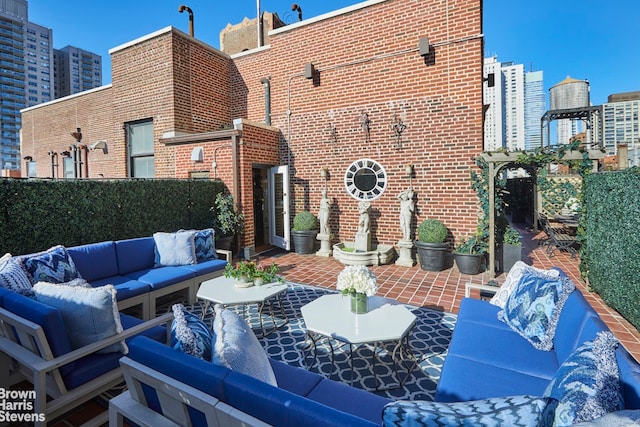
365, 179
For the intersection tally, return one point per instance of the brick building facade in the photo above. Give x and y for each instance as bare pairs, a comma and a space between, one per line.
367, 63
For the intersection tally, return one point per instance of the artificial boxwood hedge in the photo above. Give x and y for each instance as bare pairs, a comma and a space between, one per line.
610, 252
38, 214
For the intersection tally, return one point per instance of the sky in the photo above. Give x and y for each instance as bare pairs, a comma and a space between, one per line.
585, 39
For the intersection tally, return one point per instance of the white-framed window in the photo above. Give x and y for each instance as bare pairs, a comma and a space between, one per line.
140, 147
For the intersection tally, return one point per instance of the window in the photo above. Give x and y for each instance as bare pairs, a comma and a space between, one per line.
140, 144
31, 169
67, 164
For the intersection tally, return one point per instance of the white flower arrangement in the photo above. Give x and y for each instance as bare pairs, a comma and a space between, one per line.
357, 279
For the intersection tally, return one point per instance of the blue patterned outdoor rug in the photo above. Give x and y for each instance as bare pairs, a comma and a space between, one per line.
429, 339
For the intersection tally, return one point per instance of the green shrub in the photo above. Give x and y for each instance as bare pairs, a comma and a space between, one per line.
305, 221
432, 231
227, 220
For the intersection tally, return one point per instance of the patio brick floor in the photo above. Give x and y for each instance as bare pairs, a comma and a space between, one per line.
438, 290
445, 289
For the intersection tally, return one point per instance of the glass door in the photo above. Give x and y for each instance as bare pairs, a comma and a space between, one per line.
279, 207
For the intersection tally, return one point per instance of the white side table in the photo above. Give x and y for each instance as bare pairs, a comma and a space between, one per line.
222, 290
329, 317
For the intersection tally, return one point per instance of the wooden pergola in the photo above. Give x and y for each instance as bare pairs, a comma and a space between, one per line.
497, 161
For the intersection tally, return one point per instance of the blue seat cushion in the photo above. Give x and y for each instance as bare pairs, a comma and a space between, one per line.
161, 277
571, 325
502, 348
279, 407
198, 373
135, 254
95, 261
94, 365
349, 399
479, 311
126, 287
46, 316
464, 379
296, 380
205, 267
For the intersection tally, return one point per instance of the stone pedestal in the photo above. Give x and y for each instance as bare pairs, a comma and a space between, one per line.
363, 242
405, 258
325, 244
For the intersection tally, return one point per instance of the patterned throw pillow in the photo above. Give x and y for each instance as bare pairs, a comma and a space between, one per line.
189, 334
533, 308
510, 283
587, 384
237, 347
13, 277
89, 314
53, 265
205, 245
174, 249
499, 411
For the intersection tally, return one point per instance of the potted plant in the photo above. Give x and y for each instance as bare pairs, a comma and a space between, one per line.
430, 244
248, 273
511, 248
470, 253
227, 221
305, 229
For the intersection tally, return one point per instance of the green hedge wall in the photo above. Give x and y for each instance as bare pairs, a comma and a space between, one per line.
38, 214
610, 253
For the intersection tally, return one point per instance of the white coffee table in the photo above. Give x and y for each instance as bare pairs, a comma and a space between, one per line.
329, 317
222, 290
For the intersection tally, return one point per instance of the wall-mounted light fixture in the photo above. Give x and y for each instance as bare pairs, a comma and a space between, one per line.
309, 71
27, 158
324, 174
424, 47
99, 145
197, 155
66, 153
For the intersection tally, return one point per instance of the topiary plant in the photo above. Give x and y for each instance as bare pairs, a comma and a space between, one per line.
432, 231
305, 221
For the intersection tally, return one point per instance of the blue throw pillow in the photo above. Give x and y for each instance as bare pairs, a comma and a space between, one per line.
89, 314
500, 411
533, 308
174, 249
53, 265
189, 334
13, 277
237, 347
587, 384
205, 244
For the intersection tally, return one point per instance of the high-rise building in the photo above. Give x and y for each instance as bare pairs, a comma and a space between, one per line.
38, 57
13, 20
514, 106
77, 70
28, 76
622, 124
534, 108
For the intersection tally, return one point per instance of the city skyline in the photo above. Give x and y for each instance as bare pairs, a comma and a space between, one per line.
598, 36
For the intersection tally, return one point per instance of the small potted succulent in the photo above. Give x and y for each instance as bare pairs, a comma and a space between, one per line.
305, 229
244, 272
431, 245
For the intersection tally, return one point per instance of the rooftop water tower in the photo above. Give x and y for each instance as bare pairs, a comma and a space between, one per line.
566, 95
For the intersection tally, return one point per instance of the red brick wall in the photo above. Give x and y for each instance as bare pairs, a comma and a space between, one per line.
49, 128
368, 61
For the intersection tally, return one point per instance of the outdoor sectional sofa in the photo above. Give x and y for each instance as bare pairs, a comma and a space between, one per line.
129, 265
486, 360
